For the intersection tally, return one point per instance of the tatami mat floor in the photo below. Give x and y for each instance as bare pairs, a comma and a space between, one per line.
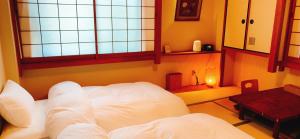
224, 109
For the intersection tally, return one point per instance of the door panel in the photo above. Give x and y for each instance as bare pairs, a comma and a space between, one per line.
260, 32
296, 26
295, 39
235, 30
297, 13
294, 51
298, 2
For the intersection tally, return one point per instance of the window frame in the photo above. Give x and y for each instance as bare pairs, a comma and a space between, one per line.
77, 60
288, 61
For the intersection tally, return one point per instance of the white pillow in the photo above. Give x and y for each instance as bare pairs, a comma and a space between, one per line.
16, 105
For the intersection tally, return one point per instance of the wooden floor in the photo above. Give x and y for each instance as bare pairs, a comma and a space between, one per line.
215, 108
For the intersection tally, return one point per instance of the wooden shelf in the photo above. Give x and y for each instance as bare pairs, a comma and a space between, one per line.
261, 54
190, 88
190, 53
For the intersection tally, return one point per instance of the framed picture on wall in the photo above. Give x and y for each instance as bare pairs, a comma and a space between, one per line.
188, 10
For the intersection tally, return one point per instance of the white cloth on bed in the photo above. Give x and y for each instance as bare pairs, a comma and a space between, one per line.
36, 130
66, 106
192, 126
120, 105
83, 131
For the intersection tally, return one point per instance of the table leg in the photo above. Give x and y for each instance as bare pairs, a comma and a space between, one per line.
276, 129
242, 113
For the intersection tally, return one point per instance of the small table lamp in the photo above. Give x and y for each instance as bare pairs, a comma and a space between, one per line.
210, 77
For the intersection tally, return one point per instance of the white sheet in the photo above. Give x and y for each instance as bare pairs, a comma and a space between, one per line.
120, 105
192, 126
35, 131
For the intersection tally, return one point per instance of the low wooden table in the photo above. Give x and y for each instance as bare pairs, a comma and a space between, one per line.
276, 105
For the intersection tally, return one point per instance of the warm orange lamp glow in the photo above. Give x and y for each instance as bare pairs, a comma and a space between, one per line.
210, 81
210, 77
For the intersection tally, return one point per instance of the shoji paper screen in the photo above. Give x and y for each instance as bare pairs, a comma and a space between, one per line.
295, 37
66, 27
56, 27
125, 25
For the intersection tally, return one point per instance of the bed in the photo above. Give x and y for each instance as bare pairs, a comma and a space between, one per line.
35, 131
117, 110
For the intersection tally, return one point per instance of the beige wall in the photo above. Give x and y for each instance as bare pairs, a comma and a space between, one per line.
253, 67
2, 72
8, 49
39, 81
180, 35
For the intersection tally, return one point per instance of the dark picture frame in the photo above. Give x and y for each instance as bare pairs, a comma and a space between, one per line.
188, 10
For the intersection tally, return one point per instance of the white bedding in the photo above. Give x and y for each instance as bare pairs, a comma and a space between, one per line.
67, 105
35, 131
192, 126
120, 105
122, 111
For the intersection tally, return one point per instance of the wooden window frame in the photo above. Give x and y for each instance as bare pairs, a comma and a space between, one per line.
287, 61
77, 60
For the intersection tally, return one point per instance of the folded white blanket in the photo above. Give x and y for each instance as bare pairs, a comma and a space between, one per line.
193, 126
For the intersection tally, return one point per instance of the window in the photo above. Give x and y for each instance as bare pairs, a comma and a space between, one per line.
64, 30
292, 45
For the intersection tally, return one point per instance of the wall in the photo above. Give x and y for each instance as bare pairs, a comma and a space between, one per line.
253, 67
7, 39
180, 35
2, 72
39, 81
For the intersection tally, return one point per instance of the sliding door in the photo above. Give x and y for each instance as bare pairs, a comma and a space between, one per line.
236, 21
261, 22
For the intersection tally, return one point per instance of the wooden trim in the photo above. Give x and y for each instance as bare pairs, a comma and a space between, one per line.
16, 34
247, 24
276, 38
223, 53
82, 57
158, 16
293, 62
54, 62
95, 28
181, 53
246, 52
288, 35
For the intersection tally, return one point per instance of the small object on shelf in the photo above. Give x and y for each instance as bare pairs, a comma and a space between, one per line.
173, 81
196, 77
208, 48
197, 46
167, 49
